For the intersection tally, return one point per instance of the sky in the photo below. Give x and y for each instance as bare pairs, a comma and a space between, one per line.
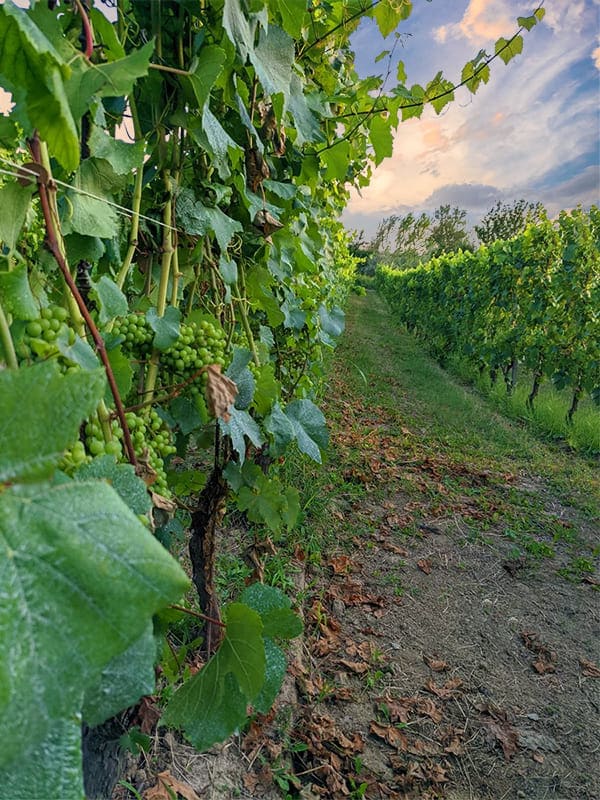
532, 132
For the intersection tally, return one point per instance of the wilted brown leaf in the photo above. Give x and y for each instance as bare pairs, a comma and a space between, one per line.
394, 548
437, 665
500, 729
360, 667
341, 565
390, 734
399, 709
424, 564
221, 392
589, 669
166, 785
266, 223
146, 715
546, 659
159, 501
538, 757
449, 689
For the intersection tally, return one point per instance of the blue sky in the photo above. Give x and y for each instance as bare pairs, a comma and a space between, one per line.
533, 131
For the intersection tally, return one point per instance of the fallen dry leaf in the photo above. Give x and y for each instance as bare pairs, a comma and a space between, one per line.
545, 662
538, 757
341, 565
165, 782
390, 734
424, 565
221, 392
437, 665
449, 689
354, 666
394, 548
501, 730
589, 669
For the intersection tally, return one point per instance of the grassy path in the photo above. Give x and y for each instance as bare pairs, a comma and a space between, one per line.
452, 609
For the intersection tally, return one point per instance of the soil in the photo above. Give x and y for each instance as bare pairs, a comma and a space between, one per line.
437, 662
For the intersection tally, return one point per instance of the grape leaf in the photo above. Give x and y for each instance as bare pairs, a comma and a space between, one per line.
14, 203
244, 380
126, 678
185, 415
15, 295
275, 669
273, 59
212, 704
122, 371
382, 138
309, 427
33, 70
205, 70
275, 610
267, 389
166, 328
32, 443
292, 15
208, 707
131, 489
507, 50
332, 322
389, 14
79, 352
228, 270
60, 624
281, 429
90, 216
198, 219
52, 769
113, 302
239, 29
122, 156
240, 425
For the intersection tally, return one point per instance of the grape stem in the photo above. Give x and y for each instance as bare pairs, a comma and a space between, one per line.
175, 391
7, 342
54, 247
199, 615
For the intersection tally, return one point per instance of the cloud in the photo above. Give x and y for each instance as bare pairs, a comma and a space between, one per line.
582, 189
470, 196
596, 57
483, 20
529, 127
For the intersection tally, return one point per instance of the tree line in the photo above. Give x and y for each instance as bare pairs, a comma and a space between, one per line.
405, 241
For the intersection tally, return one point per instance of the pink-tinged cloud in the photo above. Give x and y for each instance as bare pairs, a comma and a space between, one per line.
483, 20
596, 57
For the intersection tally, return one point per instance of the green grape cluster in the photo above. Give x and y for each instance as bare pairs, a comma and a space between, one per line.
152, 439
198, 345
137, 334
96, 444
43, 331
73, 458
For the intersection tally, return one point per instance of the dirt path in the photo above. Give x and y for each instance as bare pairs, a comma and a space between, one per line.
444, 655
443, 660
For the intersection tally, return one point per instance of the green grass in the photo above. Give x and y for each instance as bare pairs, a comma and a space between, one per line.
391, 386
383, 388
549, 415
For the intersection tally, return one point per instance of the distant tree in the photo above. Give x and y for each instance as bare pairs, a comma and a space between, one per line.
448, 231
506, 220
402, 241
366, 252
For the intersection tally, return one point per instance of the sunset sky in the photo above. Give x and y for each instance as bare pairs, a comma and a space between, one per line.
533, 131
